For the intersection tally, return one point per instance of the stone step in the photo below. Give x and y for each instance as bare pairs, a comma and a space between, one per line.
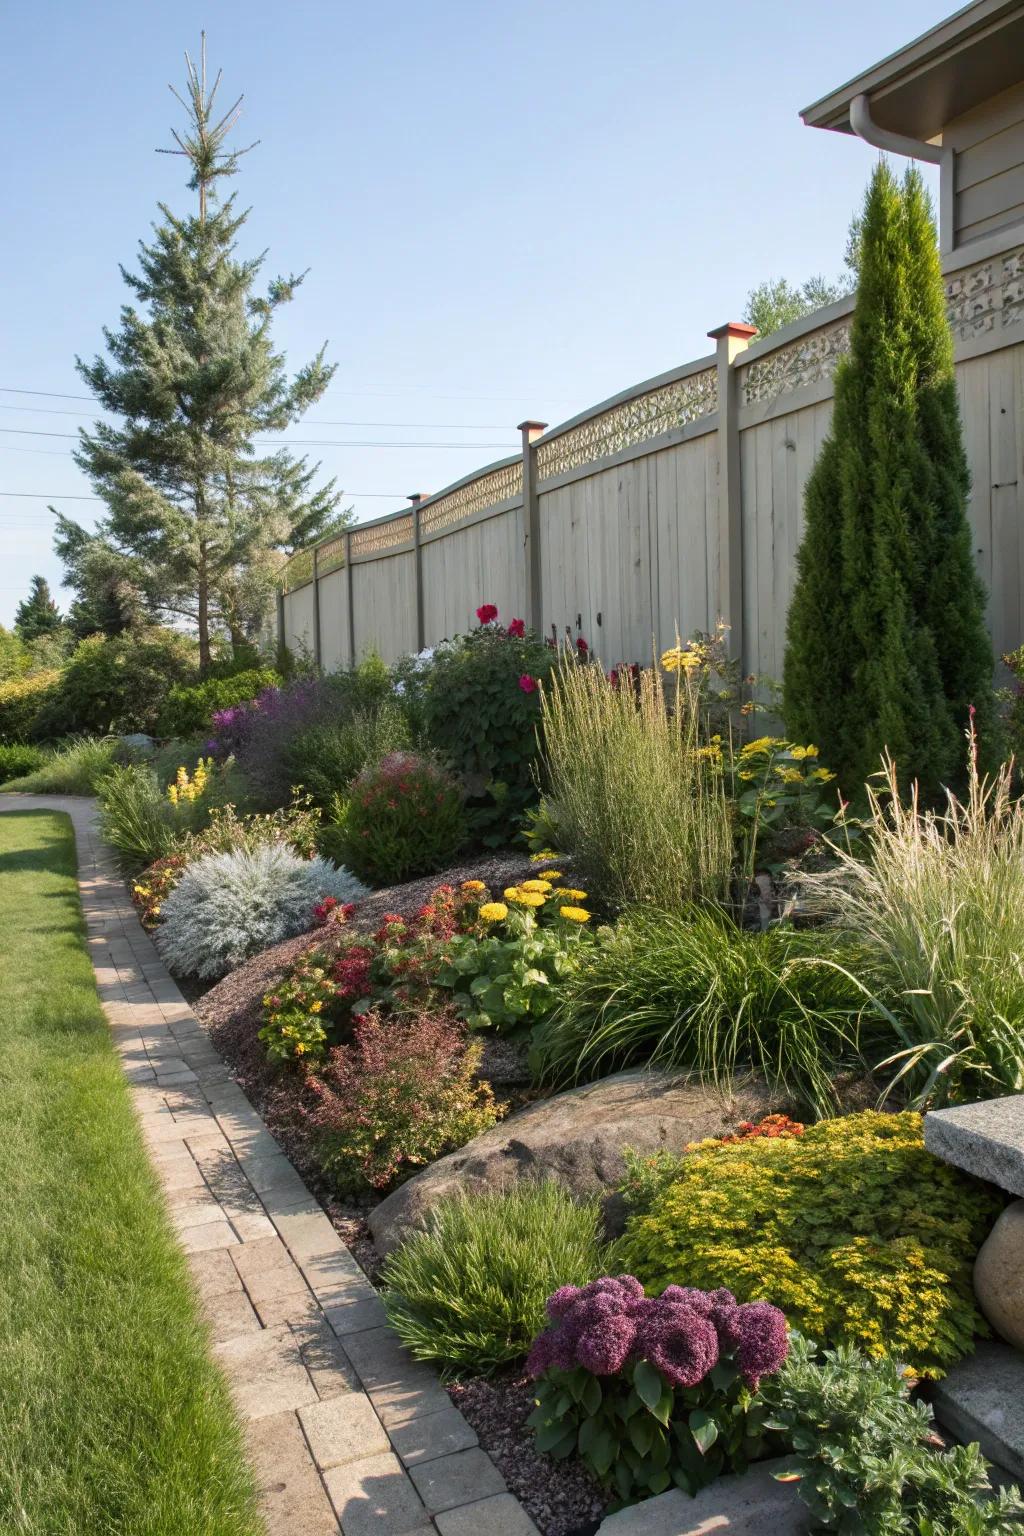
751, 1505
982, 1399
986, 1139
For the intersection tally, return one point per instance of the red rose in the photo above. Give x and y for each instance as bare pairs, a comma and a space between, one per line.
582, 646
527, 683
517, 628
487, 613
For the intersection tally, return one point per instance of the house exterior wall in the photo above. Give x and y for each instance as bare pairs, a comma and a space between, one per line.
988, 176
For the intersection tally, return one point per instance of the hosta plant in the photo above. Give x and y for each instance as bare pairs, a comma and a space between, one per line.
228, 906
651, 1391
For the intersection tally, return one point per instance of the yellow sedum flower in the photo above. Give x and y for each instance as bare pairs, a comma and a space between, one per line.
473, 885
568, 893
493, 911
528, 899
574, 914
511, 892
543, 886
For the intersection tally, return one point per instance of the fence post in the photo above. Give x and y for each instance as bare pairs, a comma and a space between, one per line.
348, 598
416, 497
317, 644
730, 340
531, 430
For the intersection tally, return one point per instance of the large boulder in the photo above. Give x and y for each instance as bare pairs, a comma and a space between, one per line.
578, 1137
999, 1275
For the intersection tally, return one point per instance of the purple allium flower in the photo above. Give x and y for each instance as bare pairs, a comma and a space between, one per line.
605, 1344
680, 1343
559, 1302
756, 1332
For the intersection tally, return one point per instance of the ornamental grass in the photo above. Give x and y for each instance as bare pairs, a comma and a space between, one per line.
937, 908
640, 808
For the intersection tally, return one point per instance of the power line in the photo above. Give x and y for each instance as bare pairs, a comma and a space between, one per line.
382, 389
70, 496
287, 442
315, 421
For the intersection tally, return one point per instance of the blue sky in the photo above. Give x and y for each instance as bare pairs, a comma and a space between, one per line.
507, 211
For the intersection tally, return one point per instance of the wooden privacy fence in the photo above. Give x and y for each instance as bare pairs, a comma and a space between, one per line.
672, 504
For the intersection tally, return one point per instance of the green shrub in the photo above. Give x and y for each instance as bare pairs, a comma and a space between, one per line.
692, 989
188, 710
865, 1454
22, 700
117, 685
402, 1094
326, 757
640, 805
404, 818
469, 1292
16, 761
481, 708
856, 1231
75, 768
135, 815
937, 910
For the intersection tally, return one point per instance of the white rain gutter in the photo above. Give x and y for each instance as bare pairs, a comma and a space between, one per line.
865, 127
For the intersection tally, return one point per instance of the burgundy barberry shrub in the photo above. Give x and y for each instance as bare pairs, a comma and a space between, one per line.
654, 1391
402, 1094
403, 818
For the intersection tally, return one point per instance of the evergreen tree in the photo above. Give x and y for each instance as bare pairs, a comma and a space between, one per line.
886, 644
37, 614
195, 512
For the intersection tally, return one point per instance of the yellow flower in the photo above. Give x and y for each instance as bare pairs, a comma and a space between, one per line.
682, 658
473, 885
545, 853
569, 894
528, 899
543, 886
821, 775
791, 775
511, 892
575, 914
172, 793
493, 911
315, 1007
155, 909
551, 875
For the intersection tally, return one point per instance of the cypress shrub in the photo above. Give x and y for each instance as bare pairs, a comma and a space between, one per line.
886, 643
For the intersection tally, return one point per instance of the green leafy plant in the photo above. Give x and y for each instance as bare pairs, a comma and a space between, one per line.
866, 1459
327, 756
509, 976
135, 815
640, 806
654, 1391
17, 761
21, 704
469, 1291
481, 709
937, 911
404, 818
189, 709
694, 989
403, 1093
853, 1228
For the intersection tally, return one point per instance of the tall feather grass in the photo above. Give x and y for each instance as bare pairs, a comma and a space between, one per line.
693, 990
638, 805
937, 908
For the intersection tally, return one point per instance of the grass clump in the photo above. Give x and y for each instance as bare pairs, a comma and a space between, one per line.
112, 1416
693, 990
17, 761
638, 802
76, 768
469, 1292
857, 1232
937, 910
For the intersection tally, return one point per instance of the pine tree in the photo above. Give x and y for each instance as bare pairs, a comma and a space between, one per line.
37, 614
886, 644
195, 512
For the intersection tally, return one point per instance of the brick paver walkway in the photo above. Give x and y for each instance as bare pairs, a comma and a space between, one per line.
347, 1433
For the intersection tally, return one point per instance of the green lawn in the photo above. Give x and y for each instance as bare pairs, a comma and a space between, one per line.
113, 1421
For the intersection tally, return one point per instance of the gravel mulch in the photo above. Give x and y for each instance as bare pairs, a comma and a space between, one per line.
560, 1496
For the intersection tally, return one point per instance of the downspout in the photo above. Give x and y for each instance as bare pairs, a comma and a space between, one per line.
865, 127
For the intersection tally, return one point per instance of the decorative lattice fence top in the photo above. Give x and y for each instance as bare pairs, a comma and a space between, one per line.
803, 362
503, 483
376, 538
632, 421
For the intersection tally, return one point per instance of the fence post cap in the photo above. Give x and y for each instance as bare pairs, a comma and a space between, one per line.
737, 328
533, 428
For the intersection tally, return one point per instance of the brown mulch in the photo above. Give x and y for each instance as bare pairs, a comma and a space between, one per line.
560, 1496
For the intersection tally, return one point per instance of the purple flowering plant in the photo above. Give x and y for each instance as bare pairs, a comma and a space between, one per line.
654, 1391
